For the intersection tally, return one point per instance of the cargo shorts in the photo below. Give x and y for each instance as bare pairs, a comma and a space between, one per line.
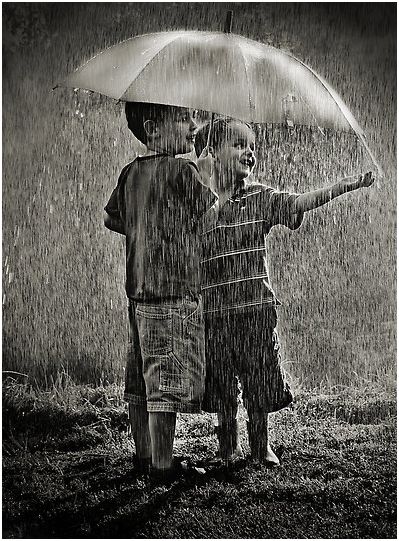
166, 356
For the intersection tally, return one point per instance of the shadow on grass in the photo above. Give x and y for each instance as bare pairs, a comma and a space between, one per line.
68, 471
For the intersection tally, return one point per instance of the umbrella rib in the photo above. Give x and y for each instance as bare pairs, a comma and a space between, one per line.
244, 59
310, 110
341, 105
81, 68
149, 62
178, 35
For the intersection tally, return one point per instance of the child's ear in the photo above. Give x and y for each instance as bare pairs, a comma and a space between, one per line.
150, 128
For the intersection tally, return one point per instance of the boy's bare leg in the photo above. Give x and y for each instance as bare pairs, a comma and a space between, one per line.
258, 436
227, 433
162, 431
138, 417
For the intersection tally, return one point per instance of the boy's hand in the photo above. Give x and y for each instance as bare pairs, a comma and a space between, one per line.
357, 181
205, 165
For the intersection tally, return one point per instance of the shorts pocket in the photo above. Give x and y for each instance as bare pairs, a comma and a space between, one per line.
190, 312
155, 330
173, 375
191, 316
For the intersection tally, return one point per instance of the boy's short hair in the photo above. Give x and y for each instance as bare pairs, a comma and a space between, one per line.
138, 112
220, 131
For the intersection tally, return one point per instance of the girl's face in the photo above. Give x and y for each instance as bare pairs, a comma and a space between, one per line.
235, 158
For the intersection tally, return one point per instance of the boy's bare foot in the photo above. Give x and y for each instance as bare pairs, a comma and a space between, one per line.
180, 469
142, 465
235, 458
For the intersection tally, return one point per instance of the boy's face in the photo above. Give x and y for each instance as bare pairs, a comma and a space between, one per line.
175, 134
236, 155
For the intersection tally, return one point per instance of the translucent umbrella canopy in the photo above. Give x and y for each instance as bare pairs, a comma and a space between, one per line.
219, 72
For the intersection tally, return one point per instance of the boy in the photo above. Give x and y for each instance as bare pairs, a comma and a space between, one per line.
239, 303
157, 204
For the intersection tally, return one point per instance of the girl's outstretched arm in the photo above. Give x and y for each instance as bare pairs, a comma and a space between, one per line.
312, 200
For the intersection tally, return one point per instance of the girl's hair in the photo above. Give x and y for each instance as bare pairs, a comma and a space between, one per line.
221, 129
138, 112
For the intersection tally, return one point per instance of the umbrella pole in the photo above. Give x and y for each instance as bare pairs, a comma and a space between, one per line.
229, 22
208, 141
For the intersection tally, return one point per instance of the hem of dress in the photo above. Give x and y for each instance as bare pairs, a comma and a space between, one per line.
215, 408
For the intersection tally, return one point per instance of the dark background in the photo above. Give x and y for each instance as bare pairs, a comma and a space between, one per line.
63, 274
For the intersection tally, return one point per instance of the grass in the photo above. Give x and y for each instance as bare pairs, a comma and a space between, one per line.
68, 472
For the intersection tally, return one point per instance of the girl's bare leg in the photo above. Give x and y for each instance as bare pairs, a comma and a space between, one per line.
258, 436
227, 433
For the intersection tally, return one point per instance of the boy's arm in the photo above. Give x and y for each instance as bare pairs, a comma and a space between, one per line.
312, 200
113, 211
113, 223
195, 194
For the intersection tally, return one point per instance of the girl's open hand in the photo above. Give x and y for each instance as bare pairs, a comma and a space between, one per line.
358, 181
366, 180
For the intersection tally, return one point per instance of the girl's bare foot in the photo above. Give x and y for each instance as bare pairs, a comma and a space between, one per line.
258, 436
271, 458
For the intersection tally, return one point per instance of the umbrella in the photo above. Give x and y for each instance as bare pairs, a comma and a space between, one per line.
219, 72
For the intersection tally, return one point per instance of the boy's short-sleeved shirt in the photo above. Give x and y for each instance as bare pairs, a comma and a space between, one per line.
234, 264
160, 200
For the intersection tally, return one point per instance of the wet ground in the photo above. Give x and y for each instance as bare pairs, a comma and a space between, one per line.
68, 473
